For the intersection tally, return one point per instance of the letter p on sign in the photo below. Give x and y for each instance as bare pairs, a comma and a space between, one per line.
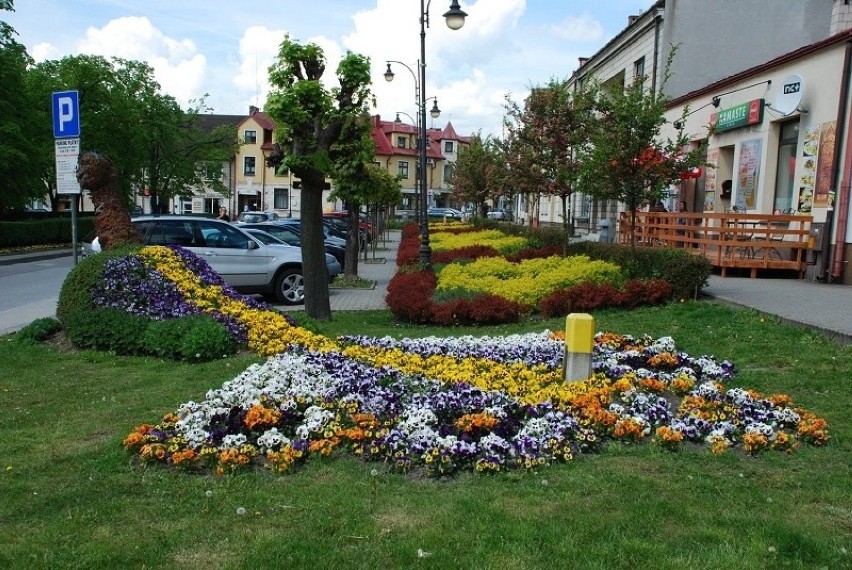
66, 114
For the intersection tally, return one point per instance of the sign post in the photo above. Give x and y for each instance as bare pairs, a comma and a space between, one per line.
66, 132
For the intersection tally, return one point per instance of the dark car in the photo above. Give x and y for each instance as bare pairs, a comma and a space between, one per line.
290, 233
256, 217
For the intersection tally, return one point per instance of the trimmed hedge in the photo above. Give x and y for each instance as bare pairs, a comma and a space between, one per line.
47, 231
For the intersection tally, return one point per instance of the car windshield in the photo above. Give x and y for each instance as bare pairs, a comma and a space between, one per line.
264, 237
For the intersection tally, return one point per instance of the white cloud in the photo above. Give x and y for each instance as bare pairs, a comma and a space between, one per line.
178, 66
583, 28
45, 52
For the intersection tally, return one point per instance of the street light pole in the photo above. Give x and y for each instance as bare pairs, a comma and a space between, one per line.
455, 20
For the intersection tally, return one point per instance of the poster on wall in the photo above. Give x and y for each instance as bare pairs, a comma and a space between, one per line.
808, 174
825, 162
710, 181
748, 171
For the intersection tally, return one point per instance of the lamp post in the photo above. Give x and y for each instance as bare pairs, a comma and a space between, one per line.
455, 20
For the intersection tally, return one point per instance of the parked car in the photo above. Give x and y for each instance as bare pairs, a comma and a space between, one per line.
256, 217
449, 213
343, 217
290, 233
497, 214
243, 260
339, 227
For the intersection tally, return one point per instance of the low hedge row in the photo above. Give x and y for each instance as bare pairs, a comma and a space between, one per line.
47, 231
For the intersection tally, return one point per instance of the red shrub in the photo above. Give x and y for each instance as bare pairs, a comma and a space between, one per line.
469, 252
589, 296
535, 253
479, 310
409, 296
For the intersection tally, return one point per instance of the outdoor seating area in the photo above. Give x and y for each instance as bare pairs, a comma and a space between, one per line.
727, 240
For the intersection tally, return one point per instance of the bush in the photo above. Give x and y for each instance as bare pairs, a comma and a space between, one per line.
192, 338
37, 331
107, 329
409, 296
590, 296
48, 229
76, 292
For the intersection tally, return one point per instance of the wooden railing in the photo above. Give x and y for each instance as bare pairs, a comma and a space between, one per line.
751, 241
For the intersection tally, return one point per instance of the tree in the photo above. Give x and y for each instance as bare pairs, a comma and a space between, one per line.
626, 160
316, 129
544, 139
472, 175
20, 155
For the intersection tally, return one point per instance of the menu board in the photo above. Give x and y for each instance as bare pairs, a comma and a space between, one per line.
710, 181
808, 173
825, 163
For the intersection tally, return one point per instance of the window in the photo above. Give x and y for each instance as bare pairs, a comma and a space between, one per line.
639, 68
448, 146
403, 169
282, 198
248, 165
212, 171
448, 172
219, 234
787, 152
250, 137
401, 142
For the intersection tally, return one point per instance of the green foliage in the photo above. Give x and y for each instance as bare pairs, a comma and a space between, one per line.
37, 331
48, 230
111, 330
191, 338
76, 292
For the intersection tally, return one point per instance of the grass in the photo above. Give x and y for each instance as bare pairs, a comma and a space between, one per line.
71, 497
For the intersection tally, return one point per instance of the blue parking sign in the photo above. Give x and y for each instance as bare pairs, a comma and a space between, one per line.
66, 114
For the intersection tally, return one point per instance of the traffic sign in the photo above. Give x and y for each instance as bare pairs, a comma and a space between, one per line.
66, 114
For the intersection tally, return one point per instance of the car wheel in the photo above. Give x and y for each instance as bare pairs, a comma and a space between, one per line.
290, 287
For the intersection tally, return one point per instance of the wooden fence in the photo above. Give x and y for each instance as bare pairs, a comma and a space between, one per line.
751, 241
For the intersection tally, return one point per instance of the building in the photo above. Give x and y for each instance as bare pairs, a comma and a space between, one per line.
765, 87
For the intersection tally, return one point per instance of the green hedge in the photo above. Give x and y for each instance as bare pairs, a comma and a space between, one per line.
46, 231
687, 273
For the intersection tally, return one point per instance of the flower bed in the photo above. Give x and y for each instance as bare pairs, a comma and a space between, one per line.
484, 404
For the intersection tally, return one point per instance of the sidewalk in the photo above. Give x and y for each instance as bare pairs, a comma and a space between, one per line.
826, 308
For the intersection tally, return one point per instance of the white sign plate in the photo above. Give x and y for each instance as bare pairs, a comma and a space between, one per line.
67, 152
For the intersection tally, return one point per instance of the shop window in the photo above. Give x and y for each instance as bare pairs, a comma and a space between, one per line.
787, 152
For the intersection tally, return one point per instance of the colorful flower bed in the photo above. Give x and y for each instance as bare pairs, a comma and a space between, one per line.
441, 405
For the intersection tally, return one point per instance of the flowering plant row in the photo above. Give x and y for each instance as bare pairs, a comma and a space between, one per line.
484, 404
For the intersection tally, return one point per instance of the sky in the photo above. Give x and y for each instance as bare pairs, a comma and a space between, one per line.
223, 49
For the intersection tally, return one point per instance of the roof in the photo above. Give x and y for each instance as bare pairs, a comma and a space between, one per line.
383, 132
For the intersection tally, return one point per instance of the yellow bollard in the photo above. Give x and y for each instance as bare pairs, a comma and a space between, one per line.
579, 340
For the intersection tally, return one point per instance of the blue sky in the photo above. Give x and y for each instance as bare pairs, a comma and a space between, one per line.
224, 48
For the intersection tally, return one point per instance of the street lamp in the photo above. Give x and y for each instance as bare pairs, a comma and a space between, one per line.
455, 20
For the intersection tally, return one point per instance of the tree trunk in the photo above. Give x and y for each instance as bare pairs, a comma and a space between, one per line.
567, 226
353, 242
314, 268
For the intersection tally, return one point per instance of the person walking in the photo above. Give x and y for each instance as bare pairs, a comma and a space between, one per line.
223, 214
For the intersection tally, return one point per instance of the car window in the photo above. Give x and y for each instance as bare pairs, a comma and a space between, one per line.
222, 235
172, 232
285, 235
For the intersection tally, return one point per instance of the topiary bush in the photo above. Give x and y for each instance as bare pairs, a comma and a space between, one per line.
76, 292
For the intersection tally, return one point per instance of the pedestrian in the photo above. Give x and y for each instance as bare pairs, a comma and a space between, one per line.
223, 214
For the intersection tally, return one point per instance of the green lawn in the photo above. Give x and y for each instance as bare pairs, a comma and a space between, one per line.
70, 497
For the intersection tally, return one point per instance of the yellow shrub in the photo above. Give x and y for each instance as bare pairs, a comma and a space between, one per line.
444, 241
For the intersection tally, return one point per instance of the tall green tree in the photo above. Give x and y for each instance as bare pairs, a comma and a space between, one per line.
317, 128
20, 156
473, 175
627, 159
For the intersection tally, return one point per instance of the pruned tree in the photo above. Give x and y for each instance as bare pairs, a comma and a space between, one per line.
316, 129
627, 159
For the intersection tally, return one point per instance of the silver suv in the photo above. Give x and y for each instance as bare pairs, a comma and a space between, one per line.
242, 260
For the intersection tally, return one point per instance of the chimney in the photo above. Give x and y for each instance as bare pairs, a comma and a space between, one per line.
253, 110
583, 61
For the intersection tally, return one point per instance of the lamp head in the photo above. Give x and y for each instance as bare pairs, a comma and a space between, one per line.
678, 124
435, 112
388, 74
716, 101
455, 16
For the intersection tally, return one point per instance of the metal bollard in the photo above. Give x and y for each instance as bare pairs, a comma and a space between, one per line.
579, 340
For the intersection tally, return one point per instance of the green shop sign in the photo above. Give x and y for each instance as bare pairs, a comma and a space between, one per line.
742, 115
